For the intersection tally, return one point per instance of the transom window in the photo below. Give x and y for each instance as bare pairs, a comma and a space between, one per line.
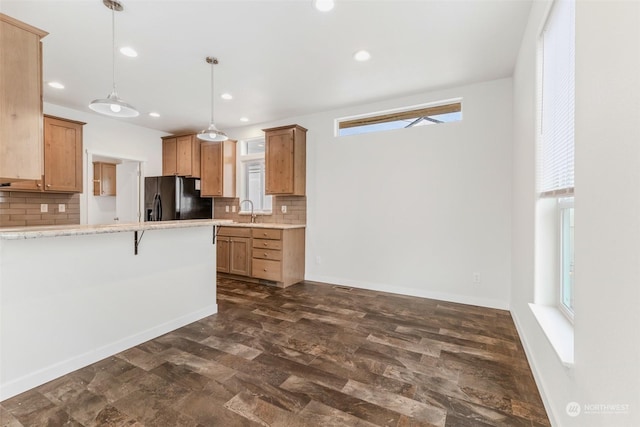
399, 119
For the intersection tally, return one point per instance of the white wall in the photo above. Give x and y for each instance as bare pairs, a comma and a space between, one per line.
413, 211
70, 301
111, 138
607, 258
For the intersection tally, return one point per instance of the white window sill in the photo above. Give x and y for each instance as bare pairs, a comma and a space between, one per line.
558, 330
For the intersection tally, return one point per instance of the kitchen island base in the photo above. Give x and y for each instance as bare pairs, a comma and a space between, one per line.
71, 300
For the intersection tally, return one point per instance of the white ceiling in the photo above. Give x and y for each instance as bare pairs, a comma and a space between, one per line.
277, 58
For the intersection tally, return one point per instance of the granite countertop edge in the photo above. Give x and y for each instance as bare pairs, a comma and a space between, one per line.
18, 233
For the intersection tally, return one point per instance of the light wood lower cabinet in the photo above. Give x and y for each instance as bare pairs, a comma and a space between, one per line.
234, 251
278, 255
271, 254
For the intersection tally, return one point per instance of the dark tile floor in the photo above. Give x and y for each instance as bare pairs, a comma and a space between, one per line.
308, 355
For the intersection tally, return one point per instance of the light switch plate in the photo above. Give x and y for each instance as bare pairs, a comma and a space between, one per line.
62, 207
283, 208
44, 208
226, 208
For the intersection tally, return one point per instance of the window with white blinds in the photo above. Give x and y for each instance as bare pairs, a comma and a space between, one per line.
557, 102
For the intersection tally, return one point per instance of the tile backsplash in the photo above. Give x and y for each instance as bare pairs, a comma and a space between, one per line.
296, 210
19, 209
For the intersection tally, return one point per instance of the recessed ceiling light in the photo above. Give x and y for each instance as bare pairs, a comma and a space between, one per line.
323, 5
56, 85
226, 96
128, 51
244, 119
153, 114
362, 55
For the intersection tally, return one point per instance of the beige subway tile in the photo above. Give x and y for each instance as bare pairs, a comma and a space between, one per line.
12, 211
12, 223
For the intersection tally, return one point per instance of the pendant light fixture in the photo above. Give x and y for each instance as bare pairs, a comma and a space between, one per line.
112, 105
212, 133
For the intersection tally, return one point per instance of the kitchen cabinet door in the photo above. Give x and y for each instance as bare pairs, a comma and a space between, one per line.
218, 169
20, 101
285, 160
222, 254
181, 156
169, 156
104, 179
240, 256
62, 155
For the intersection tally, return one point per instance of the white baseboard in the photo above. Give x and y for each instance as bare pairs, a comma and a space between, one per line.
537, 376
421, 293
34, 379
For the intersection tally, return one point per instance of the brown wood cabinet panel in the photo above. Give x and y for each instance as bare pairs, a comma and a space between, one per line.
266, 233
62, 155
169, 156
267, 269
104, 179
218, 169
181, 156
271, 254
222, 254
234, 231
21, 149
240, 256
267, 244
285, 160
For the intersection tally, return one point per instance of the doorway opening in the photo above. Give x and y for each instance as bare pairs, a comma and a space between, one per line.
122, 204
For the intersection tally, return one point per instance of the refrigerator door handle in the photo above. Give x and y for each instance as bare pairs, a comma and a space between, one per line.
159, 208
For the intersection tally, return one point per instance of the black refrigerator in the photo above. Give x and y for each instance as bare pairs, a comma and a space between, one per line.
168, 198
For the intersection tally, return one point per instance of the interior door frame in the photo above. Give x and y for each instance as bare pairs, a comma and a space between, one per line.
88, 173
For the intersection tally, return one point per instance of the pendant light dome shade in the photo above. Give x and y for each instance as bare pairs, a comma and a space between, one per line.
112, 105
212, 134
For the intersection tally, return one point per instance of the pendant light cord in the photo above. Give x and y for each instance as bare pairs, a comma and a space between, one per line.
213, 62
113, 45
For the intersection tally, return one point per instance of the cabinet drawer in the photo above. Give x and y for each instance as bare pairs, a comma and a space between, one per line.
267, 269
267, 244
266, 233
234, 232
267, 254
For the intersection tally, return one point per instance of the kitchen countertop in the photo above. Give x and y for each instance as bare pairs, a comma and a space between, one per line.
264, 225
17, 233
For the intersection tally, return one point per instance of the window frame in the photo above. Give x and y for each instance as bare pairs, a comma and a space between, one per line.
564, 205
417, 113
243, 160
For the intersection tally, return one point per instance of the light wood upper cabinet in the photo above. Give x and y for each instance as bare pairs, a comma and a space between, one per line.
181, 156
218, 168
20, 101
104, 179
62, 155
285, 160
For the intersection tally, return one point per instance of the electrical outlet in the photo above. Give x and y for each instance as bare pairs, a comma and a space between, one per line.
62, 207
476, 278
44, 208
226, 208
283, 208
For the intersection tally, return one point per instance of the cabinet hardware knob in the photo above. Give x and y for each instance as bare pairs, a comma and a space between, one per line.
266, 244
265, 269
48, 185
265, 254
38, 185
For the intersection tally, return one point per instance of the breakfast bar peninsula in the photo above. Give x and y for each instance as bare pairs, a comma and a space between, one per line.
72, 295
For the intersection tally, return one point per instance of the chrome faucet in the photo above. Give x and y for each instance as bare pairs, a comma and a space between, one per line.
253, 216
